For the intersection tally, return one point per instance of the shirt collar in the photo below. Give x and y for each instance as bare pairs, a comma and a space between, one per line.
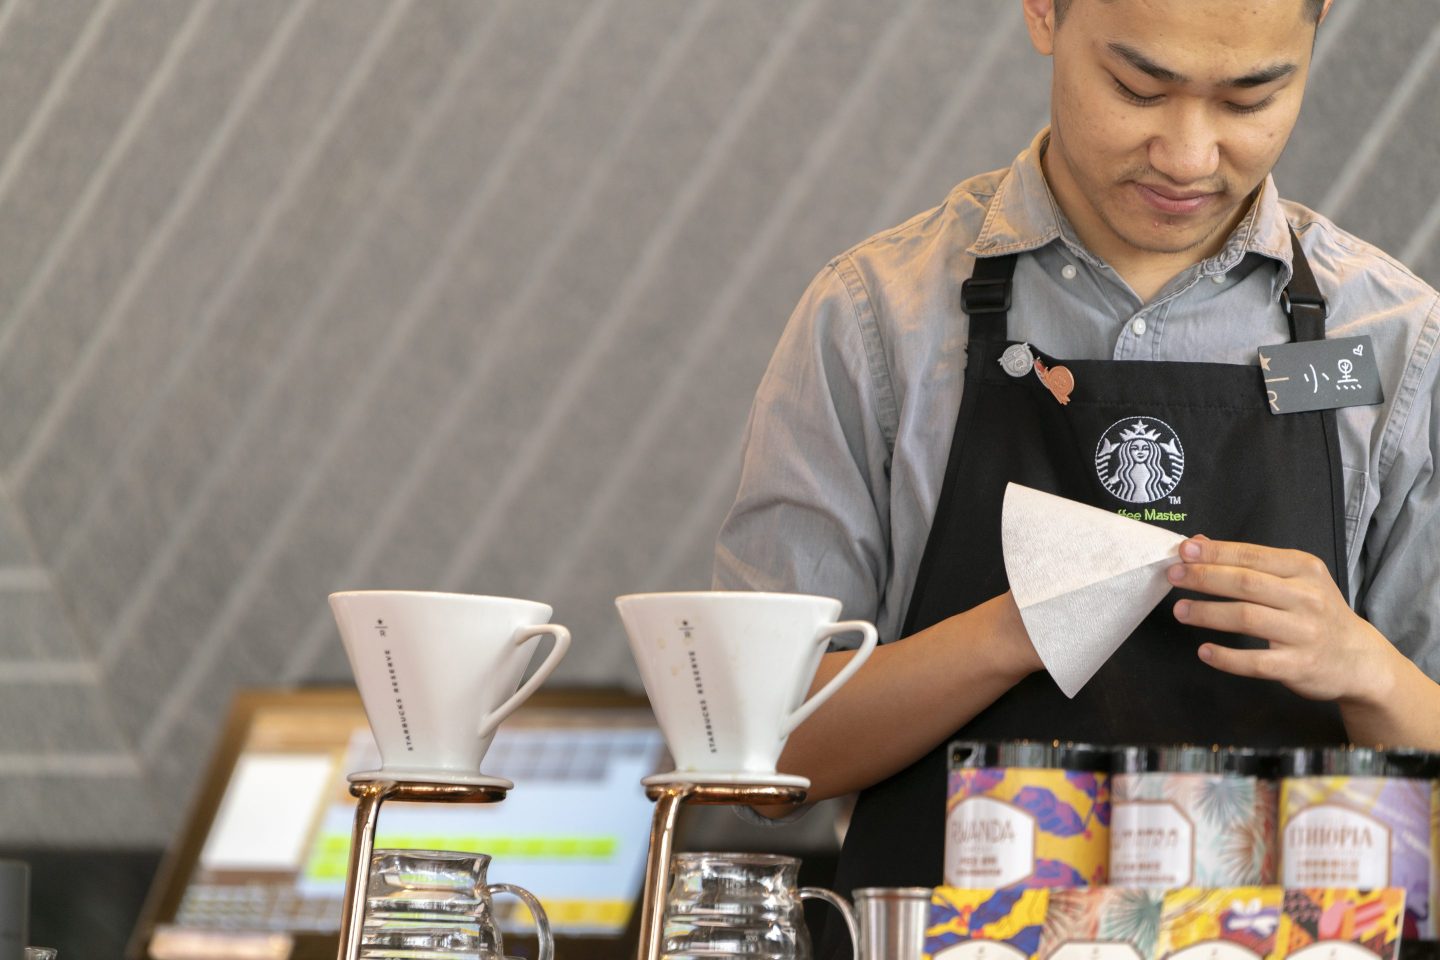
1264, 231
1023, 215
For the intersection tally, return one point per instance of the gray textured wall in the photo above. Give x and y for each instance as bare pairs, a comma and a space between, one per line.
298, 295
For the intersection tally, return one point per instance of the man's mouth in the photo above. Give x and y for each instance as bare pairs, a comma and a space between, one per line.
1171, 201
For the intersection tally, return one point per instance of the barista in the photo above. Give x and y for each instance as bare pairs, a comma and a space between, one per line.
1140, 243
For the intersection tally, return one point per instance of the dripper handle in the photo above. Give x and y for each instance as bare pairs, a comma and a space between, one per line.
822, 636
495, 717
846, 914
542, 922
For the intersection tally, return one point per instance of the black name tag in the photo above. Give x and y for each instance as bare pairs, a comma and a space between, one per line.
1320, 375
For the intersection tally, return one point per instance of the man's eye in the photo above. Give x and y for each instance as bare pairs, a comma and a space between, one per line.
1244, 108
1134, 97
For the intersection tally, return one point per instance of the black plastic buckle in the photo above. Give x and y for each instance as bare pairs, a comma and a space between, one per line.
1290, 302
979, 295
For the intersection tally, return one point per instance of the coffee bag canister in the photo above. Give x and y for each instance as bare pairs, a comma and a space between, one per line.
1352, 817
985, 924
1228, 923
1338, 924
1188, 816
1101, 923
1024, 815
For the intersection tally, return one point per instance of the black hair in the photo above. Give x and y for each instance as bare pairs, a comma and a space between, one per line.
1313, 9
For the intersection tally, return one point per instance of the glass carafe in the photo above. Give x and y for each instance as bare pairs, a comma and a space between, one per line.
436, 905
740, 905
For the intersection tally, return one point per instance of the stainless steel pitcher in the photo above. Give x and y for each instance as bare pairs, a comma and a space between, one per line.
892, 922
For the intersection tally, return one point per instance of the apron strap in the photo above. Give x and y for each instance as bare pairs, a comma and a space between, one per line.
1301, 298
985, 297
1308, 311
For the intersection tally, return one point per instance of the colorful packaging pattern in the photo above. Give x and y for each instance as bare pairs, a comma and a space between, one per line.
1116, 923
1026, 827
1433, 906
985, 924
1237, 923
1366, 832
1314, 921
1101, 923
1171, 830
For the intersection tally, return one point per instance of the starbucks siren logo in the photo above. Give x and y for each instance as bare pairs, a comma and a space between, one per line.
1139, 459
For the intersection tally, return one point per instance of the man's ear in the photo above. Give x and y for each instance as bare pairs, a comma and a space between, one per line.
1324, 11
1040, 21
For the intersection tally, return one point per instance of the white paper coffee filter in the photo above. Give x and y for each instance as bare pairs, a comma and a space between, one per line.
1082, 577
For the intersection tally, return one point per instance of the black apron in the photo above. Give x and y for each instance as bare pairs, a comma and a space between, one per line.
1130, 431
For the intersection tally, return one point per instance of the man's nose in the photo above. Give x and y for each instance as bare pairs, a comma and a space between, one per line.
1187, 148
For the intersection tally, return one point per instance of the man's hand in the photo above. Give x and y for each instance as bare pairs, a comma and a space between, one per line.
1319, 647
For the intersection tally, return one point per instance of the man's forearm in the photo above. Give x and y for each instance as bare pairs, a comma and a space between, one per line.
909, 696
1403, 709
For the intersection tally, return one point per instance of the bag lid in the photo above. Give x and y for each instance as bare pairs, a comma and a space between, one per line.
1030, 754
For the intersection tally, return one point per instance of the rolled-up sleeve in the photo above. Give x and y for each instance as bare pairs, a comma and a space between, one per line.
1402, 585
812, 511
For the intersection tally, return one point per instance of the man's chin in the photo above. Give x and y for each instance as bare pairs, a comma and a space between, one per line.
1172, 240
1198, 234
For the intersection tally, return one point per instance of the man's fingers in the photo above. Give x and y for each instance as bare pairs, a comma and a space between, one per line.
1271, 560
1260, 664
1236, 616
1237, 583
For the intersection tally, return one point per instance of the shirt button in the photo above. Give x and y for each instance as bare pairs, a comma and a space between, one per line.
1138, 326
1068, 271
1218, 278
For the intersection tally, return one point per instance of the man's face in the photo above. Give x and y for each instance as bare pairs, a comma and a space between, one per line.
1167, 114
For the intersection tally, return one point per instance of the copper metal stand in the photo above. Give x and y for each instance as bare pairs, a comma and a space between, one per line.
668, 797
370, 794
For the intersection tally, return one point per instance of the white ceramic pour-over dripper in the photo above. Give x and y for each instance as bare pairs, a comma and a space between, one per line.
727, 675
438, 673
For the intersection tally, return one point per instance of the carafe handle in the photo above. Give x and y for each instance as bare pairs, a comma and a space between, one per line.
838, 902
493, 719
542, 922
822, 636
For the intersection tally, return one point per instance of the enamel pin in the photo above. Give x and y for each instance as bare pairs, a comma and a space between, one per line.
1057, 379
1017, 359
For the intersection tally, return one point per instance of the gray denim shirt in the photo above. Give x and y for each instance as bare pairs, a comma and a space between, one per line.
850, 431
